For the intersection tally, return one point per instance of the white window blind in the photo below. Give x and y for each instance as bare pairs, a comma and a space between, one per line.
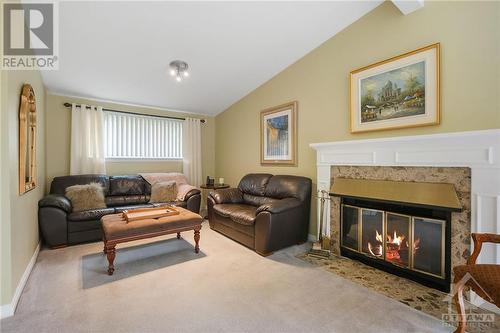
142, 137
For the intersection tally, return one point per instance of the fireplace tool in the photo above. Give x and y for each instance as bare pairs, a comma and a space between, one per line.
321, 248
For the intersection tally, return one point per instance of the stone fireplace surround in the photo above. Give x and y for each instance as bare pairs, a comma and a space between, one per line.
470, 160
460, 177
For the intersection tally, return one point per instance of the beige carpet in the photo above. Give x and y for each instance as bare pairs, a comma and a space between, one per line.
163, 286
410, 293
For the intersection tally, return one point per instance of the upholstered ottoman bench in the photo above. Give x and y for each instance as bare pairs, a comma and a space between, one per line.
117, 230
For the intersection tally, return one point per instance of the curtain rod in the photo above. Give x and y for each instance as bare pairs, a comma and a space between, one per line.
68, 105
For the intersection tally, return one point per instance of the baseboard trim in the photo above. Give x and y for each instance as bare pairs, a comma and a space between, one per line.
8, 310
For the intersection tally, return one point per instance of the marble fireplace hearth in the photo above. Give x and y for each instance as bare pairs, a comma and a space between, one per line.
421, 298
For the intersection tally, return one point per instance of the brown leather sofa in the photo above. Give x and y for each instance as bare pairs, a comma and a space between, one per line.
265, 213
60, 226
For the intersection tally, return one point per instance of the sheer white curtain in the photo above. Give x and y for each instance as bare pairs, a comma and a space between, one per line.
87, 140
191, 150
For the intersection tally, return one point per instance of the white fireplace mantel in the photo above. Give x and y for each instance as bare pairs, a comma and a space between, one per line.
478, 150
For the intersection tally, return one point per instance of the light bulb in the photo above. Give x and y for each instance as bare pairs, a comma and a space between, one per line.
172, 72
178, 78
186, 74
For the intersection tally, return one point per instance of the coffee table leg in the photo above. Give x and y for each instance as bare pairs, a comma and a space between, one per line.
178, 235
197, 240
111, 252
104, 242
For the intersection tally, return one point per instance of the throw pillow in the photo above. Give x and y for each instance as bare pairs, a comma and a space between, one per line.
86, 197
163, 192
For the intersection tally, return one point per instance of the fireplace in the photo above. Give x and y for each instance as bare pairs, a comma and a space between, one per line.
403, 228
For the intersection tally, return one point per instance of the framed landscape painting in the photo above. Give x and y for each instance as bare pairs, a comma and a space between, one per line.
278, 135
396, 93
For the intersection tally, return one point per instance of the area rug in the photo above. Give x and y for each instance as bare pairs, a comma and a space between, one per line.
412, 294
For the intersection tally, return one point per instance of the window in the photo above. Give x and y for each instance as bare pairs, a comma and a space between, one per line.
133, 136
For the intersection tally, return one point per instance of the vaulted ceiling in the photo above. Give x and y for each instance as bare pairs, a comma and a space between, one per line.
120, 51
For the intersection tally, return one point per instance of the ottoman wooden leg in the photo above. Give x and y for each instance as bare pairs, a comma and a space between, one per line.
104, 247
111, 252
178, 235
197, 240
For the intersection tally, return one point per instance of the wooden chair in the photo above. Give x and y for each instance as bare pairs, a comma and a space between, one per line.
485, 279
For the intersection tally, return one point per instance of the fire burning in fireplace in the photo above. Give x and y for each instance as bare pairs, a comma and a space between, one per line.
376, 250
396, 245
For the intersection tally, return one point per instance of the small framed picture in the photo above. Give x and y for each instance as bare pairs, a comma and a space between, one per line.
278, 135
396, 93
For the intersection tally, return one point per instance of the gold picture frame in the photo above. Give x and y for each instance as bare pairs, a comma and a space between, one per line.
278, 135
27, 140
400, 92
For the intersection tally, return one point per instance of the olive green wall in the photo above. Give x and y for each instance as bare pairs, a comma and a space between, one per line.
59, 140
19, 221
469, 33
5, 262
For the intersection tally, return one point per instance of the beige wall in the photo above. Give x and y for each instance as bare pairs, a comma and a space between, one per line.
469, 34
19, 212
58, 128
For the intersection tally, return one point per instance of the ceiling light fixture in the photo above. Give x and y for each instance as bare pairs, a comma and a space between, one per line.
179, 70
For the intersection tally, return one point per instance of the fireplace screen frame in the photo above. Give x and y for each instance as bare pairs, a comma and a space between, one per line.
437, 281
443, 245
410, 233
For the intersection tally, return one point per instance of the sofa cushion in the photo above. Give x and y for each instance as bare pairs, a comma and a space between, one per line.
86, 197
228, 224
281, 187
182, 204
127, 185
254, 183
280, 206
94, 214
239, 213
59, 184
121, 200
120, 209
256, 200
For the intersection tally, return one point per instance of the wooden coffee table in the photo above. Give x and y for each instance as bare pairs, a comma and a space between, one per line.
116, 230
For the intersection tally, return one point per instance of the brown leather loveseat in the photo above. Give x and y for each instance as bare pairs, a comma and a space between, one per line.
265, 212
60, 226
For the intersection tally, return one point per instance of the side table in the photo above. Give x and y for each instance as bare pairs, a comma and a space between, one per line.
205, 188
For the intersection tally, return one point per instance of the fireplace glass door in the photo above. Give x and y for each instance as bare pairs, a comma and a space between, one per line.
428, 245
412, 242
372, 239
397, 239
350, 227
